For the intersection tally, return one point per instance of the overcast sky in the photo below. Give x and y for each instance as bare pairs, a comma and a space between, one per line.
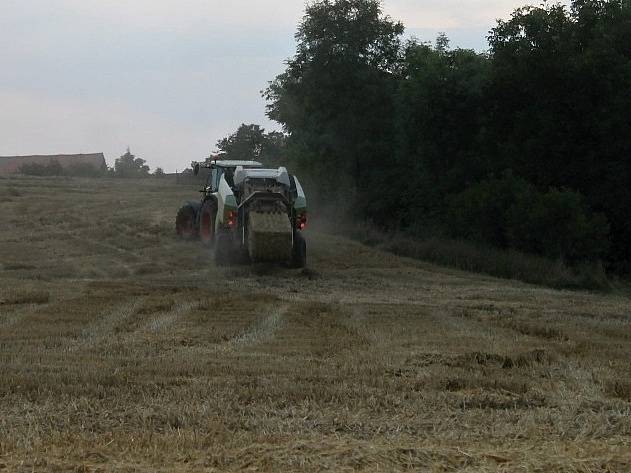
166, 77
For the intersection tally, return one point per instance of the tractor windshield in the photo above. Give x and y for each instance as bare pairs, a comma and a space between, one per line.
214, 177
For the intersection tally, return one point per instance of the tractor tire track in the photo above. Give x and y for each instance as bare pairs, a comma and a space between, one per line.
102, 330
164, 320
263, 330
10, 319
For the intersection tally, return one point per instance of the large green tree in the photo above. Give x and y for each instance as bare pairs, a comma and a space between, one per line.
129, 165
559, 101
336, 98
432, 139
252, 143
244, 144
439, 122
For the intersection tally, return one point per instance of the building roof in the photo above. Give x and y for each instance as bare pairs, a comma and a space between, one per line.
12, 164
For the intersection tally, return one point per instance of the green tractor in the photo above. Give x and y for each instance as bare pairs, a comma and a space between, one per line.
248, 214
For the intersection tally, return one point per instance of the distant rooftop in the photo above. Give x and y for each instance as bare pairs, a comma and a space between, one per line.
12, 164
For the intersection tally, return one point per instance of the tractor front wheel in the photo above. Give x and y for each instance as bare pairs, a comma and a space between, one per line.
185, 223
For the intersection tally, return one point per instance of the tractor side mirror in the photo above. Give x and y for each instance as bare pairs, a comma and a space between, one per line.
196, 169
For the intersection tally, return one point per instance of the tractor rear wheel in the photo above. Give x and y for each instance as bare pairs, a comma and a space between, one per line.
185, 223
299, 252
207, 223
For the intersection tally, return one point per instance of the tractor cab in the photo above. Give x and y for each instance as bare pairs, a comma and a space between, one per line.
223, 168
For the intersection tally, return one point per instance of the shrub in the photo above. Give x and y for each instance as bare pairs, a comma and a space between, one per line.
508, 212
54, 168
507, 264
83, 170
481, 212
558, 225
475, 257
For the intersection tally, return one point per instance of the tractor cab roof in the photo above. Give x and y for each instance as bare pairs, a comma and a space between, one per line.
234, 164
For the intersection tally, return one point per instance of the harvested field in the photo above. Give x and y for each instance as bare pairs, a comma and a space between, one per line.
122, 349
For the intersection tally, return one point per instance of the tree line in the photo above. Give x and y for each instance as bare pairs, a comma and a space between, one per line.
526, 146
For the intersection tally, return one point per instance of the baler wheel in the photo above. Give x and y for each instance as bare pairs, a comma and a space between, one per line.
223, 249
299, 252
